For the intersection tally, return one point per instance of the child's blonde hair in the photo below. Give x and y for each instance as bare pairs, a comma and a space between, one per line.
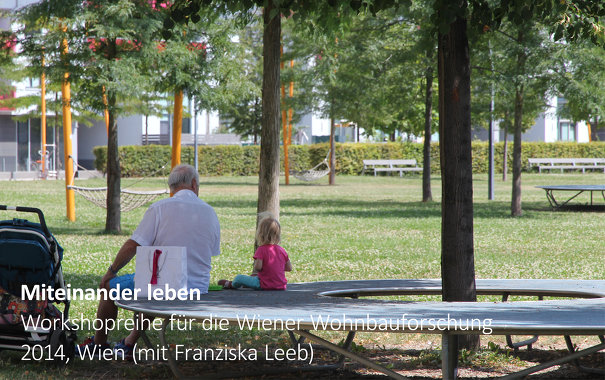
269, 230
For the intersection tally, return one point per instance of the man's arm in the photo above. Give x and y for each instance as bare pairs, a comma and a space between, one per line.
125, 254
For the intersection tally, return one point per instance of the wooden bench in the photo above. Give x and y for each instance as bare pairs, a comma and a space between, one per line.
567, 164
391, 166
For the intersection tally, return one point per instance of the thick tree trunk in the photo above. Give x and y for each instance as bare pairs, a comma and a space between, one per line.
516, 197
457, 255
518, 128
112, 221
268, 182
427, 195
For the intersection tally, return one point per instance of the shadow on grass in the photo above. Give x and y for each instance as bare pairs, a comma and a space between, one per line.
381, 209
83, 280
206, 183
83, 229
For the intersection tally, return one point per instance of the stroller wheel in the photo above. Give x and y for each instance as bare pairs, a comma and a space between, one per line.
62, 347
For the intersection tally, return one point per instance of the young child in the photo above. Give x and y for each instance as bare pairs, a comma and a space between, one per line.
270, 260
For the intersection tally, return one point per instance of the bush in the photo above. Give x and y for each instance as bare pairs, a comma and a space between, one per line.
234, 160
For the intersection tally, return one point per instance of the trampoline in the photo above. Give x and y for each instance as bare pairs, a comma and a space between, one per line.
348, 306
575, 191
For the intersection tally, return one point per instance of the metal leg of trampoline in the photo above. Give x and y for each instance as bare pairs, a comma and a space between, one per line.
171, 359
528, 342
570, 347
295, 342
350, 355
569, 200
143, 333
347, 346
449, 356
551, 199
565, 359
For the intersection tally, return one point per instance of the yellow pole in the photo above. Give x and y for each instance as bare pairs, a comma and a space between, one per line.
290, 111
69, 165
288, 130
106, 111
284, 120
43, 118
177, 128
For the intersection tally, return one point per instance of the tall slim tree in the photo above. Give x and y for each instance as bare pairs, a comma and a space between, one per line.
457, 253
107, 40
268, 185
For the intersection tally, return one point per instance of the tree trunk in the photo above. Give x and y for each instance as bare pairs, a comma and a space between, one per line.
332, 177
457, 256
518, 128
427, 195
112, 221
268, 183
505, 151
516, 197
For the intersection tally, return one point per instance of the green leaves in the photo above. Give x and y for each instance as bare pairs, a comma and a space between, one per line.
570, 19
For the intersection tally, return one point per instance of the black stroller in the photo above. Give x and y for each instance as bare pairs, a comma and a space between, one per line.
31, 256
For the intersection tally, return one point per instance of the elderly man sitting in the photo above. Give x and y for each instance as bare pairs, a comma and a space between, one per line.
182, 220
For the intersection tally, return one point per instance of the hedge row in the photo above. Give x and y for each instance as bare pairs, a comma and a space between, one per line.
233, 160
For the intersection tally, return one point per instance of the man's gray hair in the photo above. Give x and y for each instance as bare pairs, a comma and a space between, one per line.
182, 175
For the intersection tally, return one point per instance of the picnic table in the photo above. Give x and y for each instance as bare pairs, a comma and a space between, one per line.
345, 306
575, 189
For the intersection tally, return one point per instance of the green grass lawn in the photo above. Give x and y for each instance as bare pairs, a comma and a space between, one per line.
361, 228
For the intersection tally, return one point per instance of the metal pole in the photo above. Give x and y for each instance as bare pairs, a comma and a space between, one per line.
449, 356
490, 186
29, 145
195, 153
43, 159
66, 100
177, 127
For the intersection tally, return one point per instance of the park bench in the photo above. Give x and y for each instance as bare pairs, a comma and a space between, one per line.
567, 164
400, 166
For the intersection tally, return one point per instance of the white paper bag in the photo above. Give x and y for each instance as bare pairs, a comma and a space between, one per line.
170, 264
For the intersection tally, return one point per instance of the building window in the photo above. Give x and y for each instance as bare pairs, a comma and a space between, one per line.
186, 125
33, 82
567, 131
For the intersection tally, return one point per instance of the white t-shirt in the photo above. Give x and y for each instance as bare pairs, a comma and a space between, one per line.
185, 221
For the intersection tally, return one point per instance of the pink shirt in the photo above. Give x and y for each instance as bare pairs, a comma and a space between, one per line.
272, 276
